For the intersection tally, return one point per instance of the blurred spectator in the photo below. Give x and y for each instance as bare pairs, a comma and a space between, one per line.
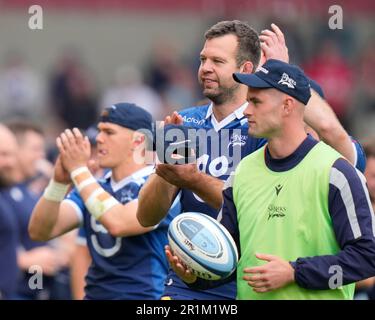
8, 222
366, 288
180, 91
333, 73
129, 86
171, 77
21, 90
72, 93
81, 261
30, 153
162, 64
363, 106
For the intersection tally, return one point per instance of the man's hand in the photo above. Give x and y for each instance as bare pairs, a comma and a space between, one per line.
60, 175
276, 273
273, 44
74, 149
175, 118
181, 270
180, 175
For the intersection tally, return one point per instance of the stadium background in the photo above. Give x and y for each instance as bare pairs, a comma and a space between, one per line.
148, 51
150, 35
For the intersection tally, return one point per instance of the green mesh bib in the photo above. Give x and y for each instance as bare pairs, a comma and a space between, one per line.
285, 214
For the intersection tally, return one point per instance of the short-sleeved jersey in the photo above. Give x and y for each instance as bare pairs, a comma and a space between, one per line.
131, 267
224, 144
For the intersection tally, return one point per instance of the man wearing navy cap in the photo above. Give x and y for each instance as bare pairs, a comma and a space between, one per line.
299, 211
128, 260
230, 46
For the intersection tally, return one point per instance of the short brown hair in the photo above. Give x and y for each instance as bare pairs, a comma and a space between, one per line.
247, 37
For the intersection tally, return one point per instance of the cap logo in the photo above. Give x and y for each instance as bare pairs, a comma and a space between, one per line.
264, 70
286, 80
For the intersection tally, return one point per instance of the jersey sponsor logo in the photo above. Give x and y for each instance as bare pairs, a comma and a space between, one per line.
288, 81
276, 211
278, 189
193, 120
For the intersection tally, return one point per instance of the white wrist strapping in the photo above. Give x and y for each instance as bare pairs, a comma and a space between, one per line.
55, 191
82, 177
100, 202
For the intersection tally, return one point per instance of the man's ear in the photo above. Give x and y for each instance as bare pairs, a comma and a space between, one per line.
138, 139
289, 105
247, 67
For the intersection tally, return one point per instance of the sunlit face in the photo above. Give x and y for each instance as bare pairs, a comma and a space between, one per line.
218, 63
8, 160
370, 177
263, 112
114, 144
31, 150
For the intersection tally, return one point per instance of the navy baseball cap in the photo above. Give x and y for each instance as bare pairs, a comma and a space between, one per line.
316, 87
279, 75
128, 115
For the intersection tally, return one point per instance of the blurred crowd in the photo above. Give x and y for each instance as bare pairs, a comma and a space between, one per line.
71, 97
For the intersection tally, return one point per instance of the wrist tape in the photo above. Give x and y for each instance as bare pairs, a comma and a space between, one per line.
55, 191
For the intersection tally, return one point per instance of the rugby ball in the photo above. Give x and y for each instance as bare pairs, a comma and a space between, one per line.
204, 245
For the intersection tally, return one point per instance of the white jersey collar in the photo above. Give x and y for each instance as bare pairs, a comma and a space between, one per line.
236, 114
135, 177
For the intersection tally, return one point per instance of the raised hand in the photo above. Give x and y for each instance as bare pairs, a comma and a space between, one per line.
273, 44
60, 174
74, 149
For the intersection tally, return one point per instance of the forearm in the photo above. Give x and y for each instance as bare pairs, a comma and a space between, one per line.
80, 264
320, 117
43, 220
154, 200
356, 262
119, 219
208, 189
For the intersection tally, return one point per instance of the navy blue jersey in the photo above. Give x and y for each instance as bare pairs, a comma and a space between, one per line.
132, 267
8, 250
360, 156
23, 202
222, 147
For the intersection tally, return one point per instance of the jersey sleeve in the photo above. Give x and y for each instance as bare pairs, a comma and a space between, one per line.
360, 156
81, 237
75, 201
354, 226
